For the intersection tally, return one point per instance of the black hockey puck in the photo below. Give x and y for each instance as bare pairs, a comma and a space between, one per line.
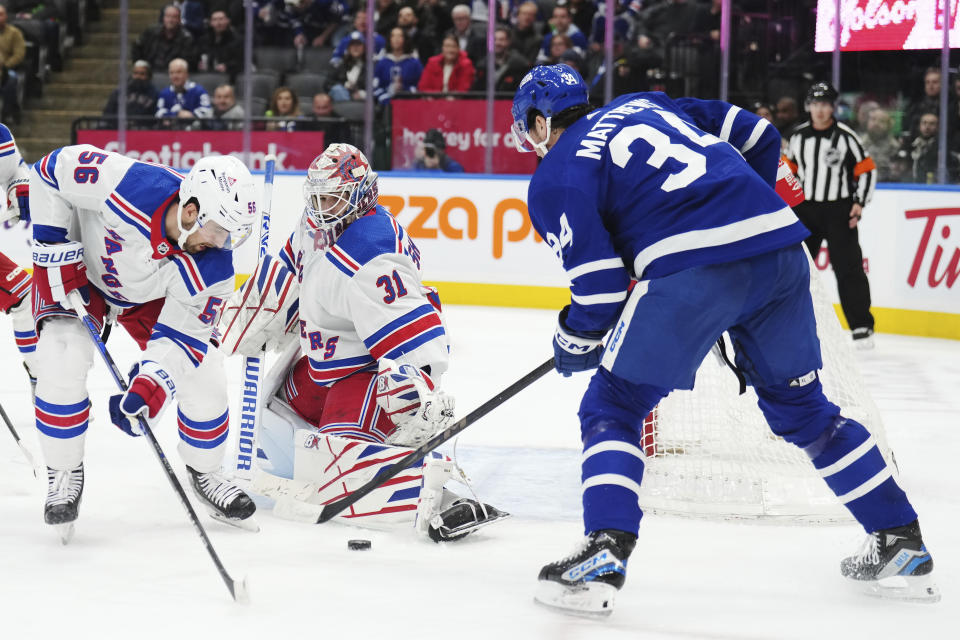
359, 545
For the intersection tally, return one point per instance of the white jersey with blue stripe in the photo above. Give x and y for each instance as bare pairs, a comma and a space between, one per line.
115, 207
12, 165
648, 186
363, 299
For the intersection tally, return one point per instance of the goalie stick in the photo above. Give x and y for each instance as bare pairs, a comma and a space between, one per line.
16, 436
238, 589
245, 444
333, 508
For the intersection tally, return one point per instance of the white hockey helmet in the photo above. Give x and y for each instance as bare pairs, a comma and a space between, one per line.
339, 188
226, 200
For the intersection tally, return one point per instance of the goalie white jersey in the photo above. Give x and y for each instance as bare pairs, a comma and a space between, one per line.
363, 300
115, 207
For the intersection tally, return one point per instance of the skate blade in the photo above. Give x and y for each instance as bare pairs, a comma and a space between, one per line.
247, 524
594, 600
904, 588
65, 531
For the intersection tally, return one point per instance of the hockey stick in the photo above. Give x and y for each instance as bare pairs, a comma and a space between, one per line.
245, 447
16, 436
333, 508
238, 589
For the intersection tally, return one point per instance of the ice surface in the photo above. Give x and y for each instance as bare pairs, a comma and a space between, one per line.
136, 569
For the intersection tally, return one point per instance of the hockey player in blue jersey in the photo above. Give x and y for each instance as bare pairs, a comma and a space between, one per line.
678, 195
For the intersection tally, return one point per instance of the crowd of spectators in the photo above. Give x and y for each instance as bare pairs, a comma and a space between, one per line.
420, 46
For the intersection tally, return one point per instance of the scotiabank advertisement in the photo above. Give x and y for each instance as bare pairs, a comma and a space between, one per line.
888, 25
479, 247
465, 141
294, 150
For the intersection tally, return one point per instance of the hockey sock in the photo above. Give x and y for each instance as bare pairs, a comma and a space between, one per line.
848, 459
611, 415
62, 428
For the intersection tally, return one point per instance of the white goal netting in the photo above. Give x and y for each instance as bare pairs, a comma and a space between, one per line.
710, 452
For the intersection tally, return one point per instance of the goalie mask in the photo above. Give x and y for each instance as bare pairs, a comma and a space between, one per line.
225, 195
340, 187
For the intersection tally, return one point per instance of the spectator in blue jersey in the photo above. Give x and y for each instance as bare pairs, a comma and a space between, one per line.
397, 71
184, 99
562, 24
432, 155
166, 41
359, 29
664, 216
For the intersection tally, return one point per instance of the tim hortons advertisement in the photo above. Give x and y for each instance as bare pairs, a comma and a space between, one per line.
466, 140
294, 150
871, 25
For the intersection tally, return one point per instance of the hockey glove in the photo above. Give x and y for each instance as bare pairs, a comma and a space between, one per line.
412, 401
58, 270
575, 350
150, 390
788, 185
18, 201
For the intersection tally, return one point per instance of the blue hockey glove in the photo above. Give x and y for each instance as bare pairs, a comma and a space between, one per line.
575, 350
119, 417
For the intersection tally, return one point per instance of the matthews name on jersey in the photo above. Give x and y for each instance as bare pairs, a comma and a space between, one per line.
363, 300
663, 212
115, 207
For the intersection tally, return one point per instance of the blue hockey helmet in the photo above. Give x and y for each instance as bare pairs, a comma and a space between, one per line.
549, 90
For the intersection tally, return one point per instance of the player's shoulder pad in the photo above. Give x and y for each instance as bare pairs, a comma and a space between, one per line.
46, 168
367, 238
5, 135
205, 269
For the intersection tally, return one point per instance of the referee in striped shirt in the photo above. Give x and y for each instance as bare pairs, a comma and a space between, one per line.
838, 176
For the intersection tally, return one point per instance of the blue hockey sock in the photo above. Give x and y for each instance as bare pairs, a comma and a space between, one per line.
611, 419
849, 460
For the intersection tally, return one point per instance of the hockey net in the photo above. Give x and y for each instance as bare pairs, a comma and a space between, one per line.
710, 453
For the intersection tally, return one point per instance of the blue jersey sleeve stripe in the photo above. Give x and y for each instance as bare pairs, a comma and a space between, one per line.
594, 266
339, 265
599, 298
49, 233
727, 127
391, 326
186, 278
758, 130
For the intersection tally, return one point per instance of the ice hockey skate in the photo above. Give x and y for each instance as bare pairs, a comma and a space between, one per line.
894, 563
461, 518
586, 582
64, 491
224, 500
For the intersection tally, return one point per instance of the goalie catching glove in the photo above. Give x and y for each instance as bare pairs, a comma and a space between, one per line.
413, 402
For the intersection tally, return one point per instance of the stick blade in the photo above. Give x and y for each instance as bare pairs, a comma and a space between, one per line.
239, 591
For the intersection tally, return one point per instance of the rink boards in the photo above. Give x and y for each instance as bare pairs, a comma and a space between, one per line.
479, 247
